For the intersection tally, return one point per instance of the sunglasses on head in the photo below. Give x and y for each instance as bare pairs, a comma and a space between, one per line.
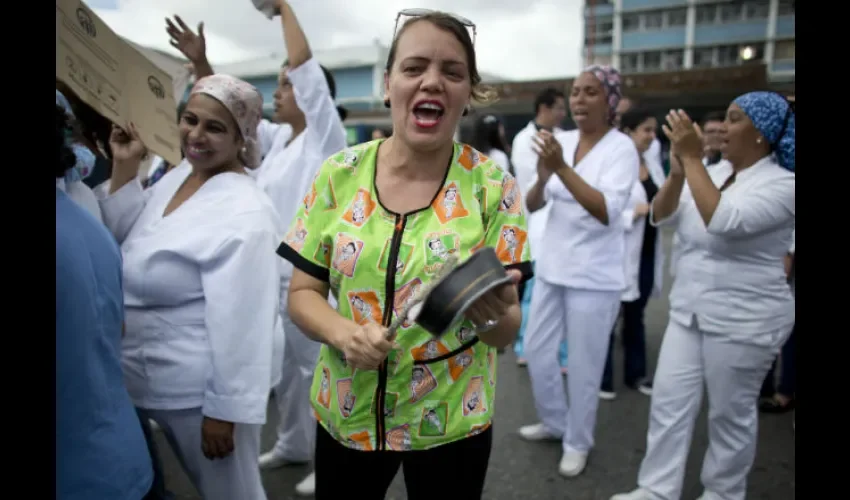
414, 13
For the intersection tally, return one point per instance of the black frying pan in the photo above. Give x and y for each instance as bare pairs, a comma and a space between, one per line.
453, 291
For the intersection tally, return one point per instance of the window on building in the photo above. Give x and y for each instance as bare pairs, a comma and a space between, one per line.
601, 31
672, 59
784, 50
756, 9
629, 63
706, 14
604, 40
677, 17
727, 55
651, 61
631, 22
731, 12
786, 8
703, 58
653, 20
745, 53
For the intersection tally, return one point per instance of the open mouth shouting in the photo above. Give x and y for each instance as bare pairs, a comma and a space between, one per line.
427, 114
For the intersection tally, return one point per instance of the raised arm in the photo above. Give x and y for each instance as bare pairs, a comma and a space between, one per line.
325, 132
123, 197
665, 205
191, 45
686, 147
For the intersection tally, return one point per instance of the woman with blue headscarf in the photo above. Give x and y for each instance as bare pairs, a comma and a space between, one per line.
731, 308
71, 182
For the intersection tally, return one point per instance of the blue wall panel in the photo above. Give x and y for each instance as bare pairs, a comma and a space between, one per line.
353, 82
782, 66
605, 9
603, 49
350, 82
730, 33
658, 39
785, 26
652, 4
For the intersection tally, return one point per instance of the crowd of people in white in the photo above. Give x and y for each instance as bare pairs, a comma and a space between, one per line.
207, 336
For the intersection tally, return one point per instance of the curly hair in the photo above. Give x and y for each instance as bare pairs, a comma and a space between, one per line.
65, 157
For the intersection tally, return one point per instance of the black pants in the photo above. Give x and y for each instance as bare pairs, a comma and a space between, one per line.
634, 333
787, 385
455, 470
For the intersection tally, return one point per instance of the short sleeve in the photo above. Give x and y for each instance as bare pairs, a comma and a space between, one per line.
616, 182
506, 228
305, 245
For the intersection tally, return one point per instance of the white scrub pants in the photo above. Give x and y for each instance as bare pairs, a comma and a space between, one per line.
585, 319
733, 373
296, 430
236, 476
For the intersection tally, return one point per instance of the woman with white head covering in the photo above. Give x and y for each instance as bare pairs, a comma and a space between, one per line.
586, 175
201, 288
307, 129
731, 308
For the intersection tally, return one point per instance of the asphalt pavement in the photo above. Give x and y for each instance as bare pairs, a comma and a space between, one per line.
522, 470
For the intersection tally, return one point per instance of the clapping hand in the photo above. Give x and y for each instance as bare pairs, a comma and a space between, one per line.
549, 150
685, 136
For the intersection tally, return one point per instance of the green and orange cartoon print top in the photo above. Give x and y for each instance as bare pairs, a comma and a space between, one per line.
429, 391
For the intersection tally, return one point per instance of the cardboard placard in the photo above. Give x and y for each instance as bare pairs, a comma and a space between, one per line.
115, 79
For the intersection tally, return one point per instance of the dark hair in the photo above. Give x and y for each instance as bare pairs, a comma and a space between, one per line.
386, 132
447, 22
631, 119
713, 116
329, 78
65, 157
485, 136
94, 127
547, 98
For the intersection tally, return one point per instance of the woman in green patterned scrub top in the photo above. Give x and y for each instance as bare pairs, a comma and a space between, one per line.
377, 224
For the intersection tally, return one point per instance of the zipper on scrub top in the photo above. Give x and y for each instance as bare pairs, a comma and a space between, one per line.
389, 284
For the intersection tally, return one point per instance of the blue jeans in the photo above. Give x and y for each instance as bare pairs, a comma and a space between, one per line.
634, 334
525, 304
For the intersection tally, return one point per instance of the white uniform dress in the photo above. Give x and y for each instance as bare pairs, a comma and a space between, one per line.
579, 280
634, 229
201, 297
731, 309
676, 247
286, 174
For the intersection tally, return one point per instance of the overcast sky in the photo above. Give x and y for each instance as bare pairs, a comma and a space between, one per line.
517, 39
